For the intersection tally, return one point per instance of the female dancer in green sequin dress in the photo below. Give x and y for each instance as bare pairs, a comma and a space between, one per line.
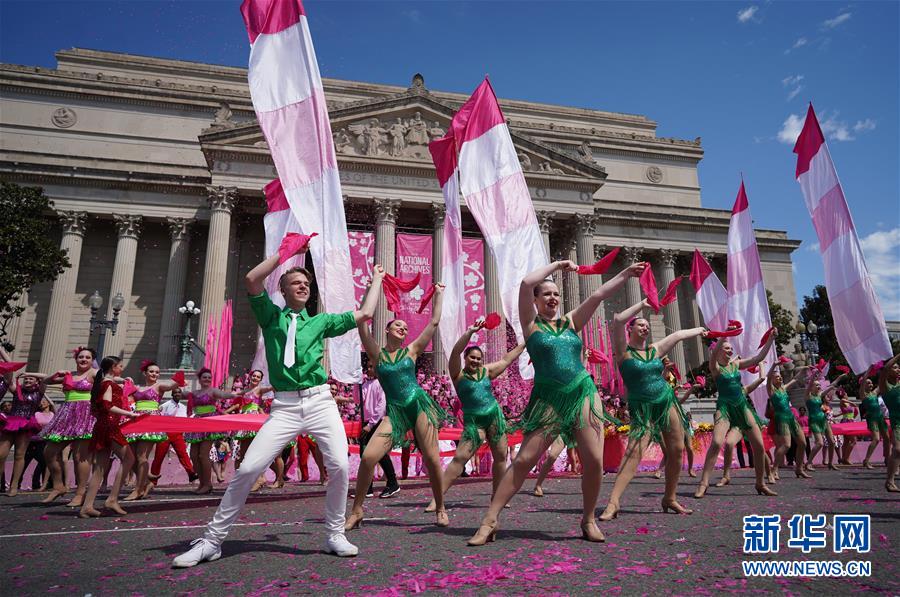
819, 427
564, 399
482, 418
409, 408
889, 387
736, 434
868, 400
656, 414
785, 424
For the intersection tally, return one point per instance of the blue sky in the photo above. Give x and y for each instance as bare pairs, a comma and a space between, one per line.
739, 75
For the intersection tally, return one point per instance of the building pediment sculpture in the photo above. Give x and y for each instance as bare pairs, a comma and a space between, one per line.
388, 135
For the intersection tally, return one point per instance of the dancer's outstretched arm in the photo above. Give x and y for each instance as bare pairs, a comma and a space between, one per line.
882, 377
583, 313
669, 342
419, 345
454, 366
796, 378
366, 311
526, 290
498, 367
756, 360
690, 392
368, 341
833, 387
620, 342
751, 387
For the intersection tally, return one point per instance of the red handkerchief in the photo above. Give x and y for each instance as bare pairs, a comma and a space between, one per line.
783, 360
595, 356
179, 378
426, 299
765, 337
735, 328
676, 372
842, 368
291, 244
393, 286
671, 292
821, 365
601, 266
648, 285
701, 380
753, 369
128, 388
491, 321
9, 367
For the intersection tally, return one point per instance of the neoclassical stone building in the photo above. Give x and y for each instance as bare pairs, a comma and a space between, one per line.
156, 169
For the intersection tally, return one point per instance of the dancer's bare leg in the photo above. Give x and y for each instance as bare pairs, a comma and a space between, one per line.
876, 436
498, 466
87, 508
720, 430
82, 457
379, 445
550, 459
143, 450
818, 443
52, 453
427, 440
754, 434
464, 452
126, 461
732, 438
590, 448
673, 442
632, 458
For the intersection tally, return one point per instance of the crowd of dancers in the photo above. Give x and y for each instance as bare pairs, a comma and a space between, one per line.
564, 410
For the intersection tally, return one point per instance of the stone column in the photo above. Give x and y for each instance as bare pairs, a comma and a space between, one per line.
129, 229
386, 212
570, 280
167, 350
545, 220
496, 339
15, 328
56, 333
671, 315
632, 286
438, 211
221, 202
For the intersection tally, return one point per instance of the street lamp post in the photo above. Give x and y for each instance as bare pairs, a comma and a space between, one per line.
96, 301
189, 309
809, 339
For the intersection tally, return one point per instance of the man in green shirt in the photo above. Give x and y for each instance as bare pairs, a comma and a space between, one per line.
295, 345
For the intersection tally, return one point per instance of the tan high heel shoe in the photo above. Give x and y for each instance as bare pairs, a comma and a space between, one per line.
723, 482
891, 487
590, 532
354, 521
441, 518
701, 491
675, 507
764, 490
486, 534
538, 491
802, 474
610, 512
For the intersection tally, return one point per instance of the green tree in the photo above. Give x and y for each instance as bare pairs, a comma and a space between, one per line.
28, 255
817, 309
782, 319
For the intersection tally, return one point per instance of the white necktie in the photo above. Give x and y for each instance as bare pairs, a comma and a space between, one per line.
290, 349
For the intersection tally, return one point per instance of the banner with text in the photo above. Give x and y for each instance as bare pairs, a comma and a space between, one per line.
362, 259
414, 254
473, 282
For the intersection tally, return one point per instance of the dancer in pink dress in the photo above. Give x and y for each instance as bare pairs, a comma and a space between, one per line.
205, 402
21, 425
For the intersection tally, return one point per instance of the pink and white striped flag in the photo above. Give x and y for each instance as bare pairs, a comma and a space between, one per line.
287, 94
495, 191
747, 301
858, 320
453, 316
712, 298
278, 221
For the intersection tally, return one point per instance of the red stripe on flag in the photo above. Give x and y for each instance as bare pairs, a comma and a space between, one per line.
700, 270
832, 218
270, 16
740, 203
275, 199
809, 141
443, 154
478, 115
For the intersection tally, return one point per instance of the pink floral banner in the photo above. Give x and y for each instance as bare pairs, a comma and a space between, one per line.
473, 282
414, 255
362, 258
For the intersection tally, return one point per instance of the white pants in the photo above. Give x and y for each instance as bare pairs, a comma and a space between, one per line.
312, 412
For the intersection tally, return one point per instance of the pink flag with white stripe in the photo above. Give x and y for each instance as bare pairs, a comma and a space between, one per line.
747, 300
287, 94
495, 191
712, 298
858, 320
277, 222
453, 315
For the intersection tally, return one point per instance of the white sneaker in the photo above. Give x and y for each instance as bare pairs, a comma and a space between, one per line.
203, 550
338, 545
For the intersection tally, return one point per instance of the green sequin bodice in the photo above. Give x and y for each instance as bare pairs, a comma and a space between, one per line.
398, 377
475, 393
892, 399
729, 385
781, 404
872, 407
814, 408
555, 352
643, 377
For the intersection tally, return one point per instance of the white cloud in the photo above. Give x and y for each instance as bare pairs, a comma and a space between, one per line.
837, 21
747, 14
792, 80
801, 41
864, 125
813, 247
836, 130
793, 93
414, 15
882, 251
790, 130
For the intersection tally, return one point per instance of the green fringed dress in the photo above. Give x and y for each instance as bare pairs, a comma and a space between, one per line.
732, 401
785, 423
892, 400
817, 419
480, 409
404, 398
874, 417
561, 383
650, 396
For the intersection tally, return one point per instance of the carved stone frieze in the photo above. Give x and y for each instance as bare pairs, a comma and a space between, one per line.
402, 137
64, 118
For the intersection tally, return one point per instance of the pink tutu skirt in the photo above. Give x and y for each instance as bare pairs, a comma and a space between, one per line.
73, 421
17, 424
